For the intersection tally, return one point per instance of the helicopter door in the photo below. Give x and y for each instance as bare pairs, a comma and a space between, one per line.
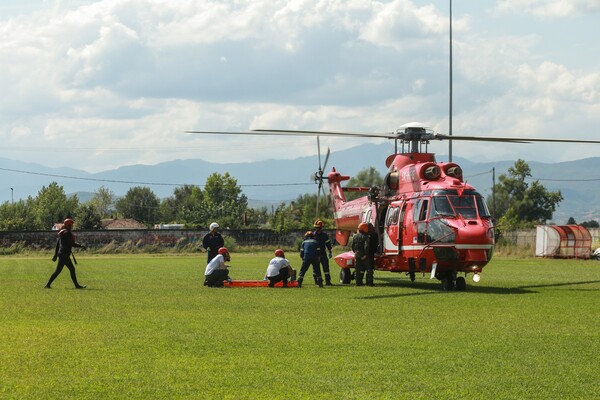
392, 232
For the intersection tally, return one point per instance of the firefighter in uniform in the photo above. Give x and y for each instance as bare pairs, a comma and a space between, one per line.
325, 244
62, 252
360, 247
309, 251
212, 242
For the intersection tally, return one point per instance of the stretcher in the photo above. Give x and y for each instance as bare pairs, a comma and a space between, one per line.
256, 283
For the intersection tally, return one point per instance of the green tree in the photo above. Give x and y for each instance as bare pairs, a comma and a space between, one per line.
520, 205
88, 216
223, 201
103, 200
364, 178
590, 224
141, 204
183, 205
571, 221
17, 216
52, 205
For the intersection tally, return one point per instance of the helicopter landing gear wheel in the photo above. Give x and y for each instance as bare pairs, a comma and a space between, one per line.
345, 276
447, 284
461, 283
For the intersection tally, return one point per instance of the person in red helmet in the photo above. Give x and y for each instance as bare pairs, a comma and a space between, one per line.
279, 269
216, 270
360, 247
62, 252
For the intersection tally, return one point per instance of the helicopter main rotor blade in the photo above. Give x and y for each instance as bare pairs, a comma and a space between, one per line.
326, 159
440, 136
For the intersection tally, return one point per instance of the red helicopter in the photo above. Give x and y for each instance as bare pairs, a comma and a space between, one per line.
428, 219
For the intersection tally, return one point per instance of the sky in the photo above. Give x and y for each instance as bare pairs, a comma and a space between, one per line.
96, 85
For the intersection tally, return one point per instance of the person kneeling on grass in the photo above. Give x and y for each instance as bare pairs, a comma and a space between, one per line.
279, 269
216, 271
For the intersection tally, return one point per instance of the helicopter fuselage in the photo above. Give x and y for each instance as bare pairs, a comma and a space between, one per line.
427, 219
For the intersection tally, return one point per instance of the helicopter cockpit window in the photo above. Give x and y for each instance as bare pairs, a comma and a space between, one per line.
448, 204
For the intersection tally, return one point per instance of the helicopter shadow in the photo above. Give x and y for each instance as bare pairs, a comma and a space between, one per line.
426, 288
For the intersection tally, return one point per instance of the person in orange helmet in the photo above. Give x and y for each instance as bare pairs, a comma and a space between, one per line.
62, 252
360, 247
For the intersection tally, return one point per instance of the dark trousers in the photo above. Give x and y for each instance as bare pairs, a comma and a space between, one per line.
282, 276
361, 267
324, 260
64, 261
216, 278
307, 263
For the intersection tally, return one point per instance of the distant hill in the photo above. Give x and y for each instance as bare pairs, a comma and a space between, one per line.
268, 183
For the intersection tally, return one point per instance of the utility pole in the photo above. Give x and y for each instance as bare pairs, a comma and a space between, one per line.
12, 199
450, 94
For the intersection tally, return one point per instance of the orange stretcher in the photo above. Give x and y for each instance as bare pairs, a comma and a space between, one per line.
256, 283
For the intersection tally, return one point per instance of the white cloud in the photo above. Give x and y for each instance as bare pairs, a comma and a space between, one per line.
135, 74
549, 8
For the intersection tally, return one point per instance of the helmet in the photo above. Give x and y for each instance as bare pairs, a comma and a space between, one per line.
68, 222
318, 224
214, 226
363, 227
309, 234
223, 250
279, 253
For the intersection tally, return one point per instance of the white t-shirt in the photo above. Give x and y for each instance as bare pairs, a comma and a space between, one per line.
216, 263
275, 265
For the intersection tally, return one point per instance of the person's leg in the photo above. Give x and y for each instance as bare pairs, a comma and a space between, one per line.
71, 267
59, 268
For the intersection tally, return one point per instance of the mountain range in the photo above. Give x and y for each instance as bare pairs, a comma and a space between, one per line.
270, 182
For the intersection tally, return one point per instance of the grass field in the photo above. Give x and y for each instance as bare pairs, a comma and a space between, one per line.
147, 329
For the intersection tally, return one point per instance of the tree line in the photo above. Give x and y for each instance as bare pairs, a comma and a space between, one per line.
515, 204
220, 199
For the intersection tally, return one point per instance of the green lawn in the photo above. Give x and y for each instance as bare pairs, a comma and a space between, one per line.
147, 329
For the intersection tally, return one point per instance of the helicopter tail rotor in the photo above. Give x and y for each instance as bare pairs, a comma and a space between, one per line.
318, 177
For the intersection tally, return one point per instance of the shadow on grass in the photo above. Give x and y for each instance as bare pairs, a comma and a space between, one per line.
427, 288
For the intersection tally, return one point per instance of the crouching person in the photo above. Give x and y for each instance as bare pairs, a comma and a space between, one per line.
279, 269
216, 271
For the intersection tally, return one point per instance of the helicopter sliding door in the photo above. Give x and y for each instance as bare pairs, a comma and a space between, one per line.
393, 228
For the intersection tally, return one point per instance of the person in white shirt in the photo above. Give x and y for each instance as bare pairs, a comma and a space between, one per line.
279, 269
216, 270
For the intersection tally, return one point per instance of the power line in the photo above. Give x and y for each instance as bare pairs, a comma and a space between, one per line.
145, 183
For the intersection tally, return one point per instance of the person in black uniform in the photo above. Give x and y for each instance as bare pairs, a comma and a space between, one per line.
373, 246
325, 245
62, 252
212, 242
309, 252
360, 247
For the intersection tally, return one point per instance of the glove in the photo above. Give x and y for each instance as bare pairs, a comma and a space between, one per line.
54, 258
329, 254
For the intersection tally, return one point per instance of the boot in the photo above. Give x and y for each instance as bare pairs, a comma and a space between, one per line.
370, 278
359, 278
300, 279
328, 280
319, 281
293, 275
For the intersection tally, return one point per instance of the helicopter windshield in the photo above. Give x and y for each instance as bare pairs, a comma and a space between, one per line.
448, 204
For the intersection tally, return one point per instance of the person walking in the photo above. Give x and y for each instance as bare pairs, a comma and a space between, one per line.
325, 253
279, 269
309, 252
212, 242
62, 252
360, 247
216, 271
